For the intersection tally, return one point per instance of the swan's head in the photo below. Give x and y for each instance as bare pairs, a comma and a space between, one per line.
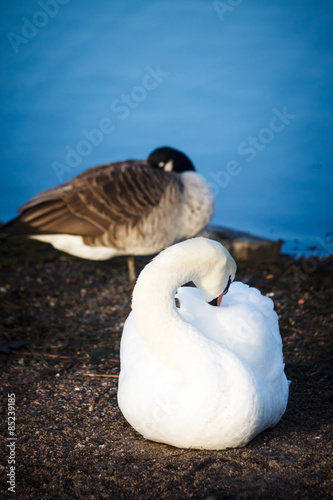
217, 271
205, 262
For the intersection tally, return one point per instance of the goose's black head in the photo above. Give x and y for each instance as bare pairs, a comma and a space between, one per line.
170, 159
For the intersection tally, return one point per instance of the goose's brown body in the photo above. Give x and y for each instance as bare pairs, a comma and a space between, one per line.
123, 208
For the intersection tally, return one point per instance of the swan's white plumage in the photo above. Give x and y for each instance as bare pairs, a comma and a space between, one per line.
200, 376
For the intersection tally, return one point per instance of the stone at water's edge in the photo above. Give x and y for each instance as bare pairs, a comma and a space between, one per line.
244, 246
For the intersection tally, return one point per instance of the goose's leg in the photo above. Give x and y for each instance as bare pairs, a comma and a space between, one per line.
131, 267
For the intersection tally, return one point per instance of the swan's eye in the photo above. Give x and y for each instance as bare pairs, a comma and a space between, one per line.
227, 287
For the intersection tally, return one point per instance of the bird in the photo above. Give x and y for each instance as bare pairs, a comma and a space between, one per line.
193, 374
131, 207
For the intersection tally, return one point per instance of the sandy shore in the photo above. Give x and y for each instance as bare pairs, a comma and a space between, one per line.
61, 323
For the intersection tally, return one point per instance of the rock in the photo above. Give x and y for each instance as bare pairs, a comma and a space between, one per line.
244, 246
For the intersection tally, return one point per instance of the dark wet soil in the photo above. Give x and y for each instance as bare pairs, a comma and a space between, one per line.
61, 323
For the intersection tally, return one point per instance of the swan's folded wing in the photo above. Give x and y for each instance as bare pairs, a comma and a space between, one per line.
100, 198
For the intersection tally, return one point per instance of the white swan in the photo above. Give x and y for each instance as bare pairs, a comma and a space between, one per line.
200, 376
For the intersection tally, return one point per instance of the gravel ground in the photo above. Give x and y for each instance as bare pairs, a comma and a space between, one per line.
61, 323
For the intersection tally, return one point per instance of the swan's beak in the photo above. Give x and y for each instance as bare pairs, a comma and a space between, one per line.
217, 302
219, 299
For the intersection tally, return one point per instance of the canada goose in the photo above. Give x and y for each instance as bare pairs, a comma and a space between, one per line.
133, 207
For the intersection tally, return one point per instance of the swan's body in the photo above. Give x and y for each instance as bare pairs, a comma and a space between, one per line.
200, 376
134, 207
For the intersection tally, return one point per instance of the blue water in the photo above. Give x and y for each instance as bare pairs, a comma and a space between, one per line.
243, 87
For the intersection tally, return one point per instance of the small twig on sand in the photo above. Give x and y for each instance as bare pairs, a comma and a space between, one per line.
42, 354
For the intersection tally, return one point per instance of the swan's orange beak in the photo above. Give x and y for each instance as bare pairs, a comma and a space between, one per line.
219, 299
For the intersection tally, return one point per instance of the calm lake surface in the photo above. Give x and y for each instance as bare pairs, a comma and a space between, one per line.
243, 88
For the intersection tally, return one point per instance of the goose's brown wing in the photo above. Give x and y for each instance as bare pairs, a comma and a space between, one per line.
96, 200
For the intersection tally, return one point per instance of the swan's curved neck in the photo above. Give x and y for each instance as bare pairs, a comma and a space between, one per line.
173, 340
